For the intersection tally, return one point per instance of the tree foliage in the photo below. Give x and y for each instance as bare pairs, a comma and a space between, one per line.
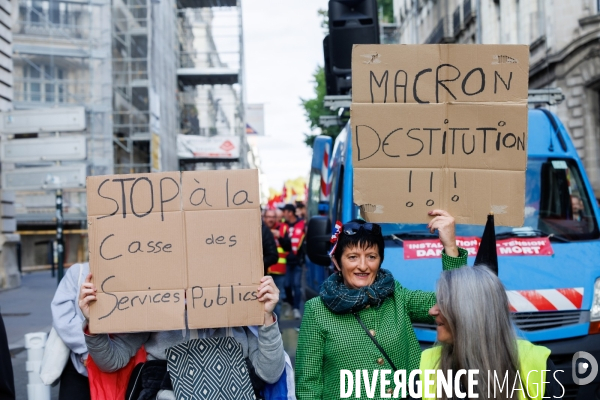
386, 8
314, 108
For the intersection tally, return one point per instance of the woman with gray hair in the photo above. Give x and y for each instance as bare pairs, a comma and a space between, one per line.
475, 331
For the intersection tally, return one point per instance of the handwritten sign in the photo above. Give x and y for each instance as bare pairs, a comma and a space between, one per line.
157, 239
440, 126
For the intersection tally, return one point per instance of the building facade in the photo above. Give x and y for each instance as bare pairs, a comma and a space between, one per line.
61, 60
211, 79
6, 56
564, 43
145, 110
117, 59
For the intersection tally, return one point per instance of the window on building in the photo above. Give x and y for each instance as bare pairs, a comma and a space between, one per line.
44, 84
53, 12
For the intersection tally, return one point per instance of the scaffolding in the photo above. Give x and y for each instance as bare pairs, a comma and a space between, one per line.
61, 53
145, 48
211, 76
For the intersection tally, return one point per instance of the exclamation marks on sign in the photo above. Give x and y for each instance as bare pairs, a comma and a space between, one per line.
410, 203
430, 202
455, 198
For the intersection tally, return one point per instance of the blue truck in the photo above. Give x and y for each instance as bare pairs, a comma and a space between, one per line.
555, 298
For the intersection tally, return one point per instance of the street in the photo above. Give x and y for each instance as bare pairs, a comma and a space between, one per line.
27, 309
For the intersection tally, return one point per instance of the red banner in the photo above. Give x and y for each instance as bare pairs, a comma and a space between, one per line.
524, 247
432, 248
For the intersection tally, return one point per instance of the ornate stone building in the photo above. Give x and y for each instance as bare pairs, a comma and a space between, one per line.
564, 40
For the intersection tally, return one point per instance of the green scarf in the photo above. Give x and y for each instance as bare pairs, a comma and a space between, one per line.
340, 299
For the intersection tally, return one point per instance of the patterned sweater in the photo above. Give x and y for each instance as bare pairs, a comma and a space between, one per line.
330, 342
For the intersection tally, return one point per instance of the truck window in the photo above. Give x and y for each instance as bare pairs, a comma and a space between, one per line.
314, 195
335, 196
564, 208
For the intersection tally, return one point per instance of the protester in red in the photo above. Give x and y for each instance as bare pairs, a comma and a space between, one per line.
277, 270
291, 239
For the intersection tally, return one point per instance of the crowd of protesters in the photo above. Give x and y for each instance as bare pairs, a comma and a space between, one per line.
287, 227
361, 320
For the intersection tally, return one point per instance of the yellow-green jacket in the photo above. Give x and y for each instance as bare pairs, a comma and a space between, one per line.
532, 363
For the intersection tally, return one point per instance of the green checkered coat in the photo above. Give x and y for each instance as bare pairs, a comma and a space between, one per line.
330, 342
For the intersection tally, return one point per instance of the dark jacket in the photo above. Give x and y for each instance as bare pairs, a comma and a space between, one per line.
7, 382
269, 246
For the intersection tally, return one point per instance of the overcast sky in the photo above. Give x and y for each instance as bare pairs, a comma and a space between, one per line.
283, 46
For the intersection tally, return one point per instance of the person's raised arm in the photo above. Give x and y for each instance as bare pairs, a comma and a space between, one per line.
452, 256
417, 304
266, 352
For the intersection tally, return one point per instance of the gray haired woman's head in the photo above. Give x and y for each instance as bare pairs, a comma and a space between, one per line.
475, 310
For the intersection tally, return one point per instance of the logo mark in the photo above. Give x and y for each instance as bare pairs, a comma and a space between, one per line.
579, 368
227, 146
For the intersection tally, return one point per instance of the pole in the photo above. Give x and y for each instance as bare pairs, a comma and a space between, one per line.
60, 247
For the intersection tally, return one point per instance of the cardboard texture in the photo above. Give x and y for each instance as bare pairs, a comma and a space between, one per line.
224, 252
146, 251
143, 311
440, 126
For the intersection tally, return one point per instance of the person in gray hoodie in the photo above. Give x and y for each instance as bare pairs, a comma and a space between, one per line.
263, 346
66, 320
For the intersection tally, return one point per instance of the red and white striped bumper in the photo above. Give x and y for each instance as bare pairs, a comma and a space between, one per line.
545, 299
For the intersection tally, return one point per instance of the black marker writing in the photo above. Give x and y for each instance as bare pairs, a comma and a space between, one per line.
143, 179
202, 200
102, 244
396, 85
108, 198
379, 84
162, 199
123, 198
417, 99
440, 82
506, 85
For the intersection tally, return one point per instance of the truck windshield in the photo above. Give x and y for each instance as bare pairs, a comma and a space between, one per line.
556, 204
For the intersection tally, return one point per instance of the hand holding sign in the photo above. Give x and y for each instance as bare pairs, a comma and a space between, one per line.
87, 294
269, 295
444, 223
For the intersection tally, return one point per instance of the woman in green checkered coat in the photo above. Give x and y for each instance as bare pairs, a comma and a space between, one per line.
331, 337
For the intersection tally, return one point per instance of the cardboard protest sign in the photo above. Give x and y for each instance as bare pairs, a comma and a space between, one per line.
154, 237
224, 248
137, 252
440, 126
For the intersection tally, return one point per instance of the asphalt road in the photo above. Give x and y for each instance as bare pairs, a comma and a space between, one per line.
27, 309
